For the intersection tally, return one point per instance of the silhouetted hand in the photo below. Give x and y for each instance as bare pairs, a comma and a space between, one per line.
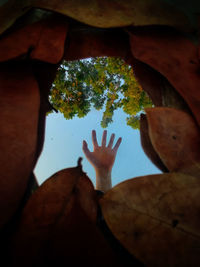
102, 158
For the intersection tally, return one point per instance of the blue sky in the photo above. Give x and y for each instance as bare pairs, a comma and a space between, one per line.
63, 146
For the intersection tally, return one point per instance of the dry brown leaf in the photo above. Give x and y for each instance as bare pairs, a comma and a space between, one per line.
87, 198
52, 201
50, 44
147, 145
157, 218
77, 241
105, 14
175, 137
149, 79
174, 56
102, 13
44, 39
58, 225
50, 204
19, 109
89, 43
53, 197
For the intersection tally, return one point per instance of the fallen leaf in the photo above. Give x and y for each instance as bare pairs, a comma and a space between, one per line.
52, 198
150, 80
43, 40
157, 218
101, 42
175, 137
58, 225
147, 145
174, 56
19, 109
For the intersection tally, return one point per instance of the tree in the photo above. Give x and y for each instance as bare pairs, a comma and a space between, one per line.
103, 83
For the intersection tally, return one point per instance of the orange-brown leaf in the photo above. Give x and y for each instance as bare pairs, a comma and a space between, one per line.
58, 225
46, 39
174, 56
147, 145
157, 218
175, 137
19, 109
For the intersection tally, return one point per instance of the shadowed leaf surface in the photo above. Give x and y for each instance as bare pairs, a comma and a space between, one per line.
174, 56
175, 137
85, 41
102, 13
78, 242
41, 215
118, 13
149, 79
53, 198
147, 145
58, 225
19, 109
157, 218
43, 40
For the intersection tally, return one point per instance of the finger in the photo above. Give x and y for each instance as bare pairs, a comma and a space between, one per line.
103, 142
111, 141
94, 139
85, 148
117, 145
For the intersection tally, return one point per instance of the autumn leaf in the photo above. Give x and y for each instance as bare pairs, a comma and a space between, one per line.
58, 225
147, 145
156, 218
175, 137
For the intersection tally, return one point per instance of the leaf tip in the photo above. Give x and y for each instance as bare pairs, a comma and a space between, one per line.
79, 162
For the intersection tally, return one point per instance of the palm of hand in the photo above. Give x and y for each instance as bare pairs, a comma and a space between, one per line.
103, 156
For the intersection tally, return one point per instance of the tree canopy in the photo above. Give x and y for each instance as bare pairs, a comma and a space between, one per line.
103, 83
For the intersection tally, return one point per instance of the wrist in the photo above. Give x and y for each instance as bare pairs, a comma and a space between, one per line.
103, 179
103, 172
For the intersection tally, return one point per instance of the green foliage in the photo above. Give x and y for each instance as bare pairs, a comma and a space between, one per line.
103, 83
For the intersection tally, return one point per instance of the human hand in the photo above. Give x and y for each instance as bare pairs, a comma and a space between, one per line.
103, 157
